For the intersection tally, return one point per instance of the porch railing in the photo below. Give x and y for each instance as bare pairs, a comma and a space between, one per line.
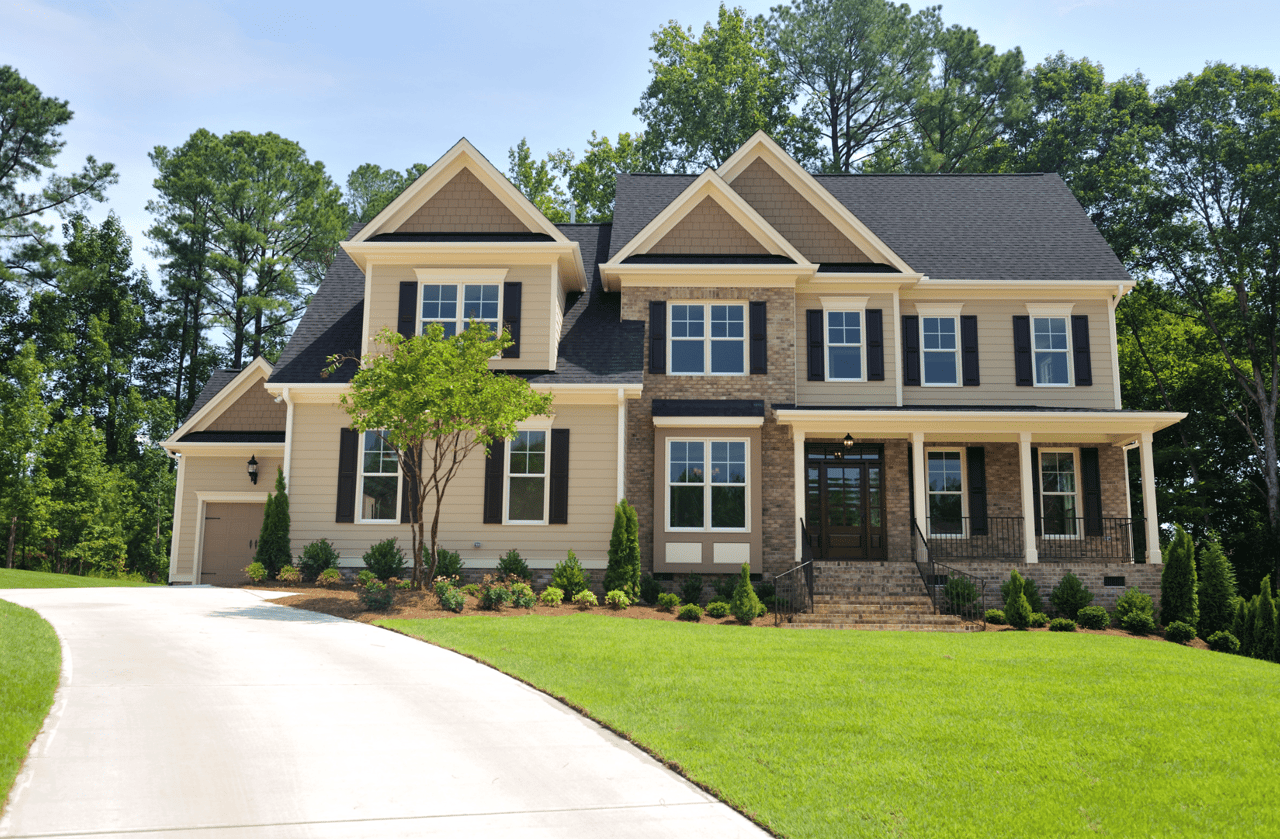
952, 592
793, 588
1003, 537
1066, 539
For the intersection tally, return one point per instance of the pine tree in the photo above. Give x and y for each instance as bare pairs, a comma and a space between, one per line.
1179, 600
1264, 627
1217, 590
1017, 611
274, 550
1240, 621
746, 605
623, 571
1248, 609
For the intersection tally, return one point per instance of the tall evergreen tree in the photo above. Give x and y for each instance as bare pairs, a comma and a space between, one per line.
275, 551
1263, 637
1179, 596
1217, 589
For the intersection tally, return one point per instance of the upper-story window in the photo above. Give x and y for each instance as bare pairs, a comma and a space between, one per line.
454, 305
379, 479
844, 346
707, 338
1050, 349
939, 344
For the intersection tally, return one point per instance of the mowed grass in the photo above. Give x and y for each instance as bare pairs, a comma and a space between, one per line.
30, 660
13, 578
821, 734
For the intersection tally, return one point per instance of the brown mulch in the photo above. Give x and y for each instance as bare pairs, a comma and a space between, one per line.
1197, 643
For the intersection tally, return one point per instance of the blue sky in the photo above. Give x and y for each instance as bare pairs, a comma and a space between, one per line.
397, 83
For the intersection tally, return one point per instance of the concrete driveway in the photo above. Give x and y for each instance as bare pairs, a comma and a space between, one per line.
198, 712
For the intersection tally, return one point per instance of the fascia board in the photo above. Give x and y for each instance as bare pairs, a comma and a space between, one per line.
567, 254
225, 397
615, 276
929, 287
310, 393
1047, 425
588, 394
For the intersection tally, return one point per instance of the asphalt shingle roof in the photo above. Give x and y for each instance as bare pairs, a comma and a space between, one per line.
218, 379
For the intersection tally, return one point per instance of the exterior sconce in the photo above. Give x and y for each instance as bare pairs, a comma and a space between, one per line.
253, 469
848, 442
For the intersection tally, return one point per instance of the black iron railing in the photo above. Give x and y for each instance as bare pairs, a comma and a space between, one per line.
953, 592
1003, 537
991, 537
1067, 539
793, 588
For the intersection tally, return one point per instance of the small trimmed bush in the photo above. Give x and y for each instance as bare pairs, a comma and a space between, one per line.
329, 577
495, 592
472, 589
1133, 601
385, 559
585, 599
690, 612
1224, 642
745, 606
649, 589
363, 578
448, 563
522, 596
1093, 617
691, 589
377, 596
257, 572
289, 574
568, 576
551, 596
724, 587
668, 602
1029, 591
1069, 596
402, 585
452, 599
717, 609
510, 564
443, 584
317, 558
1139, 623
996, 616
617, 600
1062, 625
1179, 632
1017, 611
1039, 619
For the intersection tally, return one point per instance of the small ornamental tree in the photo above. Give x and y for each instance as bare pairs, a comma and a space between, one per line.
745, 605
1217, 590
434, 400
1069, 596
274, 550
1017, 611
623, 571
1264, 623
1179, 598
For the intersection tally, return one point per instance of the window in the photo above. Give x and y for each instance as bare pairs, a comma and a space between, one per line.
379, 479
844, 346
946, 493
708, 338
1058, 501
696, 503
527, 478
1050, 350
938, 345
440, 304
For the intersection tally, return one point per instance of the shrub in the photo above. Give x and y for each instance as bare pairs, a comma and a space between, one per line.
329, 577
448, 563
289, 574
667, 601
623, 571
401, 585
1242, 626
385, 559
522, 595
568, 576
1179, 632
690, 612
511, 565
996, 616
691, 589
745, 606
1062, 625
364, 577
617, 600
718, 609
1039, 619
1017, 611
256, 571
1179, 601
1139, 623
551, 596
472, 589
649, 589
452, 599
762, 610
377, 596
1069, 596
1224, 642
443, 584
273, 540
1217, 589
724, 586
960, 594
1133, 601
494, 592
585, 599
317, 558
1029, 591
1093, 617
767, 592
1264, 623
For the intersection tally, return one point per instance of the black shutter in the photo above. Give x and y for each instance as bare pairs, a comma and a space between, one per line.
1035, 488
969, 350
559, 512
409, 491
875, 345
511, 317
759, 339
911, 350
1080, 346
407, 322
348, 451
1022, 350
976, 464
817, 370
493, 482
657, 336
1092, 480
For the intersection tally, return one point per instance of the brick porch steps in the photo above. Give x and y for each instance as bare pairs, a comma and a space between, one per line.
883, 595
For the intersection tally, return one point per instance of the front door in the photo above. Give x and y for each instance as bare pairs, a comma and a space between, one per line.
846, 507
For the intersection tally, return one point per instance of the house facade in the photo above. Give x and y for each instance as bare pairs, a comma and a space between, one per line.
768, 364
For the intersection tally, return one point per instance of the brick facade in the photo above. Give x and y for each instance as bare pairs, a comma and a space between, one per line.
1145, 578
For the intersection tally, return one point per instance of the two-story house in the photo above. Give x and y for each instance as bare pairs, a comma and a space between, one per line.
756, 357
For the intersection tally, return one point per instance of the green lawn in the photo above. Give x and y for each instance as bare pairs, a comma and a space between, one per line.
11, 578
1008, 734
30, 660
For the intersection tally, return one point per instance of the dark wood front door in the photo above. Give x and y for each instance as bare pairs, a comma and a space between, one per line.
852, 510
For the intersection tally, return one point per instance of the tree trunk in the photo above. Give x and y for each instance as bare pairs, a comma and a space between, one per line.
13, 531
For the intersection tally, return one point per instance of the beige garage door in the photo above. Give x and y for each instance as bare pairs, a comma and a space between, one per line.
230, 541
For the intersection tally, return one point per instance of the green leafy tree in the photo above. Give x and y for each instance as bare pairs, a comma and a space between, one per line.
86, 500
861, 63
623, 570
1179, 595
710, 93
24, 422
370, 188
275, 551
593, 181
1217, 590
435, 401
537, 181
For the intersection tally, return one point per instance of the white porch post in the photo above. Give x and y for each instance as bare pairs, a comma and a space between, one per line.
917, 479
1149, 502
1028, 499
797, 442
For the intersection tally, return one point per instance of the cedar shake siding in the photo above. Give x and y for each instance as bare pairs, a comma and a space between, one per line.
708, 228
464, 205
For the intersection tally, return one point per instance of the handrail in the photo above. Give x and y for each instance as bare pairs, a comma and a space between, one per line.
793, 588
1003, 537
959, 593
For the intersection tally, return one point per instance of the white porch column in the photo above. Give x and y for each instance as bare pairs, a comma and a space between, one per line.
919, 489
797, 442
1149, 502
1028, 499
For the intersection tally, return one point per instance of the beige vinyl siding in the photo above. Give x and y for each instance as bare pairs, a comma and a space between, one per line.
593, 456
995, 355
708, 228
213, 474
255, 410
846, 393
536, 306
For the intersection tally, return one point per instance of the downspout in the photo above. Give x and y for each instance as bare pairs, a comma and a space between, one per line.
622, 443
288, 436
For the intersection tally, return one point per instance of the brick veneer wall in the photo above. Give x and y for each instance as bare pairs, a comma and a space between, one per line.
1145, 578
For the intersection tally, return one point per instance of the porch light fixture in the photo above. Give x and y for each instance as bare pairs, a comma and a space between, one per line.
253, 469
848, 442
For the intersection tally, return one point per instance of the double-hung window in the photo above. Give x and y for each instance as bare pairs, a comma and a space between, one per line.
1059, 504
946, 492
939, 343
707, 484
708, 338
844, 327
454, 305
527, 478
1050, 350
379, 479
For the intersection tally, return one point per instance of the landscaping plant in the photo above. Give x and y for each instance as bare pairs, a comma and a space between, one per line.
495, 591
724, 586
568, 576
448, 563
511, 565
1093, 617
1242, 626
329, 577
289, 574
623, 571
745, 606
256, 572
585, 599
1179, 600
617, 600
961, 594
376, 596
522, 595
691, 589
1263, 637
718, 609
1062, 625
1224, 642
1217, 590
649, 589
385, 559
690, 612
1133, 601
1179, 632
364, 577
1139, 623
1029, 591
995, 616
668, 601
274, 551
1069, 596
317, 558
1038, 620
1017, 611
551, 596
452, 599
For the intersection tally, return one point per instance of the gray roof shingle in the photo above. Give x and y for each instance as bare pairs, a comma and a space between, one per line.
218, 379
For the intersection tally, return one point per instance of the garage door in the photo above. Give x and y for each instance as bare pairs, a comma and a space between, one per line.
230, 541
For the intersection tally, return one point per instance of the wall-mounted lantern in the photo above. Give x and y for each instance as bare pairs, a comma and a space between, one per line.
253, 469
